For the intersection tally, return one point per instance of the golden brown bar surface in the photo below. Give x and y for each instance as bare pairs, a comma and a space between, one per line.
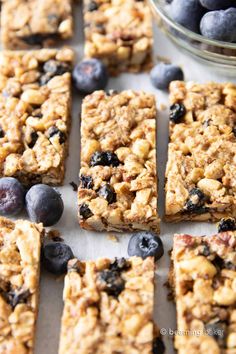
204, 281
201, 168
35, 23
119, 32
20, 244
118, 183
108, 307
35, 102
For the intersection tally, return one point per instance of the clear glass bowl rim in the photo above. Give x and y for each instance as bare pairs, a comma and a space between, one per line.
194, 36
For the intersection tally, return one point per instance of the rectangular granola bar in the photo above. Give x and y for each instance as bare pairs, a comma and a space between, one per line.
201, 168
108, 307
35, 23
20, 244
204, 276
118, 183
35, 101
119, 33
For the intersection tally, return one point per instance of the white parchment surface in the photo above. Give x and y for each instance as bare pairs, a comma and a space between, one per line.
89, 245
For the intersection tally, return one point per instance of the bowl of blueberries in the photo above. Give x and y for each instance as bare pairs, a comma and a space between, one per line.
204, 28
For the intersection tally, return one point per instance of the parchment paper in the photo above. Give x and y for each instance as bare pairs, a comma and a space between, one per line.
89, 245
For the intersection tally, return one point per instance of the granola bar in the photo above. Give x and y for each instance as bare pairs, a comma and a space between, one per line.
35, 114
201, 168
35, 23
204, 275
108, 307
119, 32
118, 183
20, 244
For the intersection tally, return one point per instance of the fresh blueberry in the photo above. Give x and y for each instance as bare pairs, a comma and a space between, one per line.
177, 112
90, 75
187, 13
55, 256
52, 68
33, 139
15, 297
2, 134
108, 193
104, 158
112, 159
111, 282
86, 182
217, 4
93, 6
145, 244
12, 196
217, 330
195, 202
119, 264
34, 39
158, 346
227, 224
53, 130
84, 211
44, 204
55, 67
110, 279
162, 75
220, 25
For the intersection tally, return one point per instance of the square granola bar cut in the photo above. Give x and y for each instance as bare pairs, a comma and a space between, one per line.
119, 33
35, 23
35, 102
20, 244
108, 307
118, 182
204, 281
201, 168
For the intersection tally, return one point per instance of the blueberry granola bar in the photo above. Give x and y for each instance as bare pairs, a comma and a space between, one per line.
204, 280
35, 23
118, 183
119, 32
201, 168
35, 114
108, 307
20, 243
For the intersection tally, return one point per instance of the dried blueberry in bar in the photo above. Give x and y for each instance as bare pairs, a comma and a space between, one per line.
119, 33
118, 182
35, 102
204, 282
35, 23
20, 244
108, 307
201, 168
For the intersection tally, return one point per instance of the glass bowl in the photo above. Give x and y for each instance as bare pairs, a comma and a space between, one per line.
218, 55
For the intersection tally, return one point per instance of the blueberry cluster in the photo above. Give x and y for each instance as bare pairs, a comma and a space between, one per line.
43, 203
214, 19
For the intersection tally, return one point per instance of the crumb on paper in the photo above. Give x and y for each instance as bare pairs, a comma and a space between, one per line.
74, 186
55, 235
112, 238
163, 59
163, 107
